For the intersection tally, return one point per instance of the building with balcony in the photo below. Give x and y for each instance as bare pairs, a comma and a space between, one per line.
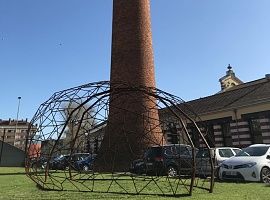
14, 132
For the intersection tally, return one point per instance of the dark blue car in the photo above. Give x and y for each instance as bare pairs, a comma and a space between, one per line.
85, 164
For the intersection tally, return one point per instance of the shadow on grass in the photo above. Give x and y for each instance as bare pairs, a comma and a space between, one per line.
12, 173
118, 193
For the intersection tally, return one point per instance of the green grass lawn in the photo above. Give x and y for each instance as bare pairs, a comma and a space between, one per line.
14, 184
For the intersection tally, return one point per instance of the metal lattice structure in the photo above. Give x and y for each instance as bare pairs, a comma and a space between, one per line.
71, 125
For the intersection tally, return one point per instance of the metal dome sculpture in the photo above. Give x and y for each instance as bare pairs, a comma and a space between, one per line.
70, 126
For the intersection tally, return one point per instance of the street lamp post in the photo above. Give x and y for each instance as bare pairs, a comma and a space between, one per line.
18, 110
16, 124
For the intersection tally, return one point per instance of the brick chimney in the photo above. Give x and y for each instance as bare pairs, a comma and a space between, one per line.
133, 117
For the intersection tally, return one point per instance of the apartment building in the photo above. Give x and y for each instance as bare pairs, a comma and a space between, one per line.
14, 132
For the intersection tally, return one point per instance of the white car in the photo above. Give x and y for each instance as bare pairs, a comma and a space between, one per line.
219, 154
251, 164
224, 153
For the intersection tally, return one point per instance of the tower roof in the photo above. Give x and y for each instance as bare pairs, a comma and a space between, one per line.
229, 80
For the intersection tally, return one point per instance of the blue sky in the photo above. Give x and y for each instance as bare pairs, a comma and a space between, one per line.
50, 45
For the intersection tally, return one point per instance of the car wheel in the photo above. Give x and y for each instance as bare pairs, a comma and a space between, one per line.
85, 168
265, 175
172, 171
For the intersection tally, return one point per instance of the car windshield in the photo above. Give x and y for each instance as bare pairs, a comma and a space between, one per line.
153, 152
253, 151
225, 153
236, 151
202, 153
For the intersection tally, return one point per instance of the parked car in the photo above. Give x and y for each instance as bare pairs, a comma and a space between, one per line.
203, 164
251, 164
62, 162
218, 155
85, 164
38, 162
224, 153
171, 160
59, 162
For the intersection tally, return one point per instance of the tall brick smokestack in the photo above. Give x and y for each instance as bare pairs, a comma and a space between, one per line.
132, 52
133, 116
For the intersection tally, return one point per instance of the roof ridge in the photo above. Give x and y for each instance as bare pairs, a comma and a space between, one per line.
247, 84
237, 87
248, 92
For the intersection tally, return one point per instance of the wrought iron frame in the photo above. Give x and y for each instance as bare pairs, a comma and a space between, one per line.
50, 125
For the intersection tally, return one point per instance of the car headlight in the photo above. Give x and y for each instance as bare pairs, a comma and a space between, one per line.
247, 165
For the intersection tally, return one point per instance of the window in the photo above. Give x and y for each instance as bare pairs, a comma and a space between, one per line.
226, 132
195, 136
225, 153
185, 151
253, 151
236, 151
209, 136
171, 151
96, 145
255, 130
172, 134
